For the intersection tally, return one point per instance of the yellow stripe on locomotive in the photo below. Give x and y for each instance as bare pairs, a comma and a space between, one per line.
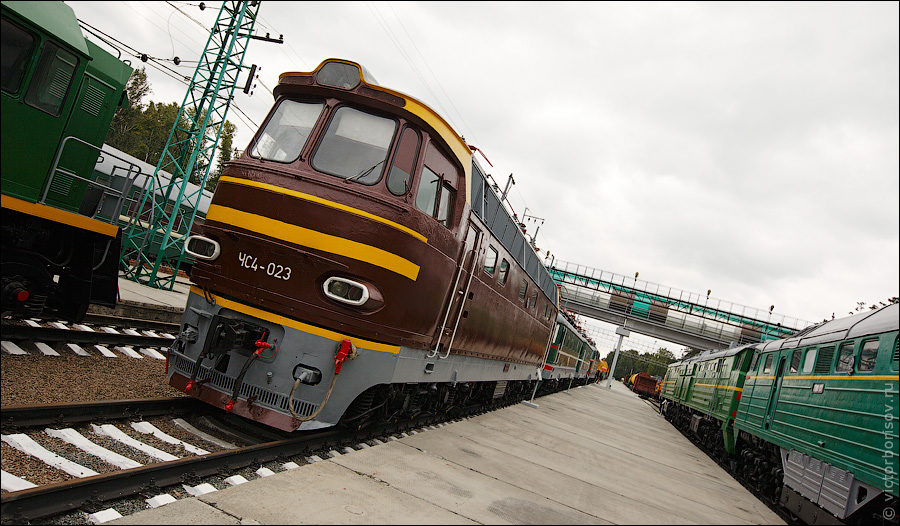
313, 239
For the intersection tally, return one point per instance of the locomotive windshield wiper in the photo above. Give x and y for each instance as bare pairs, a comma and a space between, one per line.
363, 173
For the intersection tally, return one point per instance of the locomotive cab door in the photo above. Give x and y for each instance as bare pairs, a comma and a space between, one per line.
443, 339
774, 393
716, 392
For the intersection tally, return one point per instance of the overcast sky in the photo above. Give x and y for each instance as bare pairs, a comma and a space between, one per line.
750, 149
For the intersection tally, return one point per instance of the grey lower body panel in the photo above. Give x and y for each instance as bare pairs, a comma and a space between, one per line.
262, 393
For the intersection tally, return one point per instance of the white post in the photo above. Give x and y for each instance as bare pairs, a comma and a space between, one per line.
622, 332
530, 403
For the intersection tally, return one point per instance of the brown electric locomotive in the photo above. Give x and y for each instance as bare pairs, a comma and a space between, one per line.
356, 265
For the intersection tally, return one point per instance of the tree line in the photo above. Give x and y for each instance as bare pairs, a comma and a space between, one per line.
631, 362
141, 130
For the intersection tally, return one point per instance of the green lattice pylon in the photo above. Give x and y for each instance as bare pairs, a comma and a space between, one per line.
189, 153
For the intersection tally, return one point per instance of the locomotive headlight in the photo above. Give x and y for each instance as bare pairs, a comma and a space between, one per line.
339, 289
202, 248
339, 75
346, 291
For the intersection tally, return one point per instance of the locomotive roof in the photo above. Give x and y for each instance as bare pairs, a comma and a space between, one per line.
56, 18
562, 318
863, 324
713, 355
368, 87
873, 322
486, 204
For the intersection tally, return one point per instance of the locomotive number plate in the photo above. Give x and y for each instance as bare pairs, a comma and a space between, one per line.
272, 269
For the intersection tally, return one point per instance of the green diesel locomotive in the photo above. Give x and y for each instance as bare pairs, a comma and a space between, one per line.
810, 421
59, 94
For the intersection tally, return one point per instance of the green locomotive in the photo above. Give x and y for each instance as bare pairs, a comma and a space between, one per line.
809, 421
702, 394
571, 353
59, 94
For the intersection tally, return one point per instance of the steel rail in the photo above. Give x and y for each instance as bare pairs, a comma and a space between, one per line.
13, 417
46, 334
134, 323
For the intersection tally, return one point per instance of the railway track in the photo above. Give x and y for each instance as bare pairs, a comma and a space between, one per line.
233, 451
216, 450
17, 418
91, 490
146, 322
49, 337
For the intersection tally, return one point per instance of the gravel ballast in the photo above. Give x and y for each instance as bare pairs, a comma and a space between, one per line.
30, 380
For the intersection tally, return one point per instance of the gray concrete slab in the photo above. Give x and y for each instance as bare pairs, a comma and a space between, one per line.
594, 455
186, 511
131, 291
328, 493
469, 492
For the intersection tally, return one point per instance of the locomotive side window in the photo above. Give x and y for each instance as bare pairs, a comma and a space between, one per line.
809, 361
867, 355
845, 358
18, 45
437, 186
286, 132
754, 361
767, 368
895, 361
428, 190
490, 260
504, 271
435, 196
52, 79
795, 362
355, 146
445, 204
398, 180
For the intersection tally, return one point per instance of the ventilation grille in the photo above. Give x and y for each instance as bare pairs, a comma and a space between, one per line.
61, 184
823, 361
225, 384
897, 350
60, 83
93, 100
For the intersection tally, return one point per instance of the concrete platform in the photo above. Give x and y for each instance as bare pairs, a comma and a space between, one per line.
136, 300
590, 456
133, 292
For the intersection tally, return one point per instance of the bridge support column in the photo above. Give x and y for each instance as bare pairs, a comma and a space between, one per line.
622, 332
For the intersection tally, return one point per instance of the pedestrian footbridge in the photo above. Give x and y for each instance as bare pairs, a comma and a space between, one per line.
686, 318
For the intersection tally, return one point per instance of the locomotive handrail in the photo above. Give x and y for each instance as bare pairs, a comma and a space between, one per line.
113, 219
116, 192
459, 270
476, 254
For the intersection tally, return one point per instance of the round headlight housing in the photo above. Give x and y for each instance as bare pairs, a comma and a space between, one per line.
202, 248
346, 291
